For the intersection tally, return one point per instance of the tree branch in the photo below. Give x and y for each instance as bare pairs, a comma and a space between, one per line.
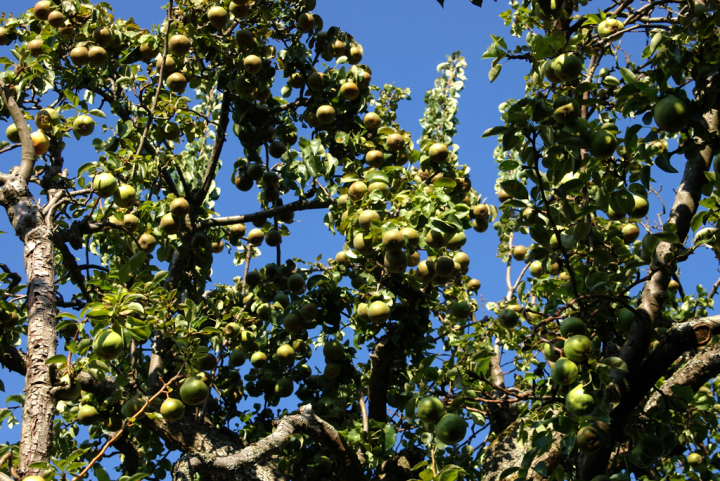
382, 360
27, 162
220, 134
696, 372
13, 359
296, 206
678, 339
655, 290
348, 465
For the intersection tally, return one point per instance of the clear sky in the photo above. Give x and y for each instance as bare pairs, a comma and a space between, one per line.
403, 41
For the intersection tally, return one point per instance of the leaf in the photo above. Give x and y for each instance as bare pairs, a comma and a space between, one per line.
97, 113
541, 469
442, 3
663, 161
494, 72
445, 182
390, 435
657, 38
137, 260
135, 307
376, 176
57, 359
515, 189
100, 473
698, 219
137, 477
450, 473
508, 472
499, 129
667, 237
683, 392
426, 475
628, 75
615, 363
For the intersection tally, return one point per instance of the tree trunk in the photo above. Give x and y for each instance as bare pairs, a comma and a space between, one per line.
39, 409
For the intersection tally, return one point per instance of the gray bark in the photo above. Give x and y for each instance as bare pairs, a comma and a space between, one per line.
27, 221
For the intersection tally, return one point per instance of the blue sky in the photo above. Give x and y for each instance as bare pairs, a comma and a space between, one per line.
403, 41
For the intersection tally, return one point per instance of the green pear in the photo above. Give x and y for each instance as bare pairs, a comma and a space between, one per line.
578, 348
578, 402
564, 372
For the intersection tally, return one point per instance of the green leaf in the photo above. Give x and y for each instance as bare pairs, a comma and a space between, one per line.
698, 219
508, 472
376, 176
390, 435
445, 182
98, 314
515, 189
667, 237
97, 113
494, 72
450, 473
663, 161
499, 129
627, 75
57, 359
655, 41
615, 363
137, 477
426, 475
683, 392
137, 260
135, 307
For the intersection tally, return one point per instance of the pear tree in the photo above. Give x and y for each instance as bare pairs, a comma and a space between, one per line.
381, 362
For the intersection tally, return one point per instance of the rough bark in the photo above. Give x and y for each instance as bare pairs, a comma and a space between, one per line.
382, 360
207, 452
634, 386
506, 451
501, 415
678, 340
28, 223
39, 408
399, 468
696, 372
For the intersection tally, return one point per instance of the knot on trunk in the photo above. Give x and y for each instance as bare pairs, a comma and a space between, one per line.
703, 334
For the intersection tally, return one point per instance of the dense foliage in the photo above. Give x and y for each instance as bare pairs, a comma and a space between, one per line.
375, 363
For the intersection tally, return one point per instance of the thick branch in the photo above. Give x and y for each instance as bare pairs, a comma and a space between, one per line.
382, 362
348, 466
296, 206
679, 339
684, 208
27, 159
13, 359
696, 372
220, 134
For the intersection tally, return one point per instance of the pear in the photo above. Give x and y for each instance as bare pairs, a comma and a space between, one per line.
578, 402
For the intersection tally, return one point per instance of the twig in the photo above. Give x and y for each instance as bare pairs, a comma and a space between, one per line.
363, 408
10, 147
248, 256
714, 289
160, 81
125, 425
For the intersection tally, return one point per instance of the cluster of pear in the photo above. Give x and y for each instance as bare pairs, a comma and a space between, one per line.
48, 121
449, 428
80, 55
105, 185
